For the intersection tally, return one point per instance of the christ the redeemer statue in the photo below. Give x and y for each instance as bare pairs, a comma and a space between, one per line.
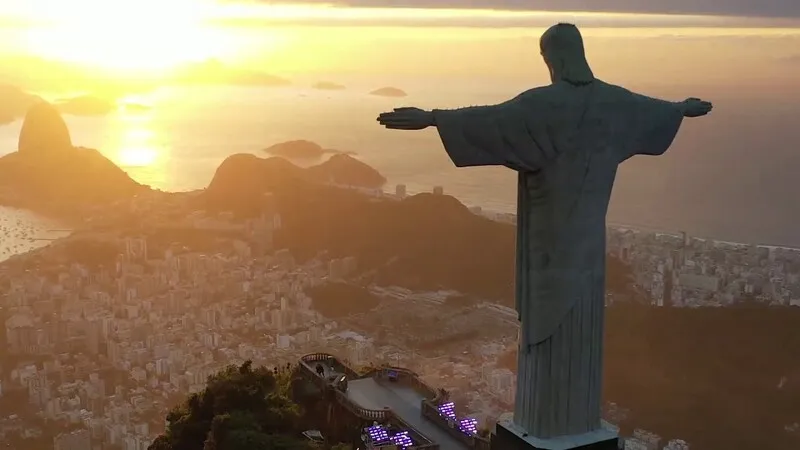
565, 140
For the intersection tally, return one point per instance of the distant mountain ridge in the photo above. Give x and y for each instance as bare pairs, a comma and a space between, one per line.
48, 171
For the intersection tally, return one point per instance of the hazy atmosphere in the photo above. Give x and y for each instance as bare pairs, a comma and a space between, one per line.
199, 188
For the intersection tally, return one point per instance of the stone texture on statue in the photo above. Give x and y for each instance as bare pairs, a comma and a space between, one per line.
565, 141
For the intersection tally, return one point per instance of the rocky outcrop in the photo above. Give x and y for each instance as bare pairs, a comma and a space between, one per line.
43, 131
302, 149
298, 149
389, 92
328, 86
49, 170
242, 180
346, 170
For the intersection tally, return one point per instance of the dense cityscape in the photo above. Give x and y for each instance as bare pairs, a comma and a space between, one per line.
350, 225
99, 352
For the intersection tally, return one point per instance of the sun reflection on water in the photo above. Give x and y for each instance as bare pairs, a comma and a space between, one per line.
136, 144
137, 148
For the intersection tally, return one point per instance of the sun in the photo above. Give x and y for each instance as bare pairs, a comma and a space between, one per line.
135, 145
141, 35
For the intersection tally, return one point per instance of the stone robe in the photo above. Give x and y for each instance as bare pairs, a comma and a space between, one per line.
566, 142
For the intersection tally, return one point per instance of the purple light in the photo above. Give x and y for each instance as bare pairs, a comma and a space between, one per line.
377, 434
448, 410
468, 426
402, 439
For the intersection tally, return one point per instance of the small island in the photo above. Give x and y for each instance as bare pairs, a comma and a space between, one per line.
389, 92
328, 86
300, 149
135, 107
214, 71
86, 105
251, 78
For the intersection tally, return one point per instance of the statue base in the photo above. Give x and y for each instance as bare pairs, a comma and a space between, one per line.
509, 436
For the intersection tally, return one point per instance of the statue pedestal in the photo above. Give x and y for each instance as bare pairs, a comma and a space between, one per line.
508, 436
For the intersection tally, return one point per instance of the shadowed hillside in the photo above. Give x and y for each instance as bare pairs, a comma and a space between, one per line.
426, 241
242, 180
335, 300
696, 374
700, 374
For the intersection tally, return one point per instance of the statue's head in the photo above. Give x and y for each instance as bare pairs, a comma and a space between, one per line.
562, 49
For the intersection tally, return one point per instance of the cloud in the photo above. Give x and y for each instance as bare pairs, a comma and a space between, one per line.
750, 8
439, 17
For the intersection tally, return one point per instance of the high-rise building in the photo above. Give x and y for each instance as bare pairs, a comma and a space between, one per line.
635, 444
438, 190
400, 191
136, 249
38, 389
651, 440
676, 444
276, 319
283, 341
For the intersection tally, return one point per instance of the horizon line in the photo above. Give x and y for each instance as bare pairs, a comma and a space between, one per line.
333, 15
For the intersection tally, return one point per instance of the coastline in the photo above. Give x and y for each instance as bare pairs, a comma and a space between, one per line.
510, 217
23, 230
52, 224
162, 148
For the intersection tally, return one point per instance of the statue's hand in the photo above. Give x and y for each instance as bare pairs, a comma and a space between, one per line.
694, 107
406, 119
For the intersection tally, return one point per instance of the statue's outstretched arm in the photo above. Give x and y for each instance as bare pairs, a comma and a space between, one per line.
411, 118
408, 118
694, 107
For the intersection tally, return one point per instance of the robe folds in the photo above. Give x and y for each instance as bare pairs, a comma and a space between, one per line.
565, 142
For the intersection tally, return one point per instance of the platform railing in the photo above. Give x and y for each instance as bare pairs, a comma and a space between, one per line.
313, 358
431, 412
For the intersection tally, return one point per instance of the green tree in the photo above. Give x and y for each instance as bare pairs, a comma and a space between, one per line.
241, 408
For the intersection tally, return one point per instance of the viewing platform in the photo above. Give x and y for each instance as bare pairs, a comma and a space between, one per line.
396, 407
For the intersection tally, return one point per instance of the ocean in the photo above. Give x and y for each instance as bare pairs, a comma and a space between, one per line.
22, 231
178, 142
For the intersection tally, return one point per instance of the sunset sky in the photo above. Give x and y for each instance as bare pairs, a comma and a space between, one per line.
712, 42
744, 55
